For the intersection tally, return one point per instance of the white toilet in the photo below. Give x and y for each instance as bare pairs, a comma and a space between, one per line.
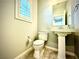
39, 44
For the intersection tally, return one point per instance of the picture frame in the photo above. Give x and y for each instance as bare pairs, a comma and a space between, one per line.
23, 10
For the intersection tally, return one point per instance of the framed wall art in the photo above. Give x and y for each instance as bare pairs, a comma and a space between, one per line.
23, 10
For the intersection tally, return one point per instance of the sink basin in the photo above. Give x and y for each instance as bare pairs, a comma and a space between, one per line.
64, 28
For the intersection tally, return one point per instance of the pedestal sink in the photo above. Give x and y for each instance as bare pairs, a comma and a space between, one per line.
62, 31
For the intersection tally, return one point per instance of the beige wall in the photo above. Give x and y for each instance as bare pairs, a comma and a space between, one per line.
14, 32
44, 15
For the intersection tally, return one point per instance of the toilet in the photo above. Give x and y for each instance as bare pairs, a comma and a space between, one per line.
38, 45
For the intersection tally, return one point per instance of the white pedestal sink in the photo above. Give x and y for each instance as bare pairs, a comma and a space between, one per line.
62, 32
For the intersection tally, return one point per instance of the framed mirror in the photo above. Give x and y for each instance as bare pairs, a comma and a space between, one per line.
60, 14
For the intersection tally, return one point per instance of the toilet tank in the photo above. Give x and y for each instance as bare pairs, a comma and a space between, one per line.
42, 35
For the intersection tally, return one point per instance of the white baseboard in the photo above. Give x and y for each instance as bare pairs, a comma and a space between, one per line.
54, 49
22, 55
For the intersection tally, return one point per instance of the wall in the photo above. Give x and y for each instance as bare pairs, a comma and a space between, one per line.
14, 32
76, 24
75, 18
44, 15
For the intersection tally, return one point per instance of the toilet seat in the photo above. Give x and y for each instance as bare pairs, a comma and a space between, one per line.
38, 42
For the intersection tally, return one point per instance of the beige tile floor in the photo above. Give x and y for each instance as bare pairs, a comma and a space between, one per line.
47, 54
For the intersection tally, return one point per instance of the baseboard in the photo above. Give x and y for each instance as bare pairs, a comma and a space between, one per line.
21, 56
54, 49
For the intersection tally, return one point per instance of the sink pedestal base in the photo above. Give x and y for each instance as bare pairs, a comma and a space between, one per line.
61, 47
61, 44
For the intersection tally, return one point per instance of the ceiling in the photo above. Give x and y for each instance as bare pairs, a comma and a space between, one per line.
57, 1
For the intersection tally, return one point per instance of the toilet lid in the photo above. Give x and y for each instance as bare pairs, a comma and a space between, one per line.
38, 42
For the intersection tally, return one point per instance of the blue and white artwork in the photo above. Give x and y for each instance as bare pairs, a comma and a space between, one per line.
25, 8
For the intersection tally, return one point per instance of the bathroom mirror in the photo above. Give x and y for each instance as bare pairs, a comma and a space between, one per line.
60, 13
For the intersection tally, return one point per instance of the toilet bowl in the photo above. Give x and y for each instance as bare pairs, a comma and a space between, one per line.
38, 45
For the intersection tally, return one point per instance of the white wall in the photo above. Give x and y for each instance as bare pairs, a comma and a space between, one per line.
14, 32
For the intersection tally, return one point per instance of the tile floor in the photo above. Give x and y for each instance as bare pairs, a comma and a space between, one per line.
47, 54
